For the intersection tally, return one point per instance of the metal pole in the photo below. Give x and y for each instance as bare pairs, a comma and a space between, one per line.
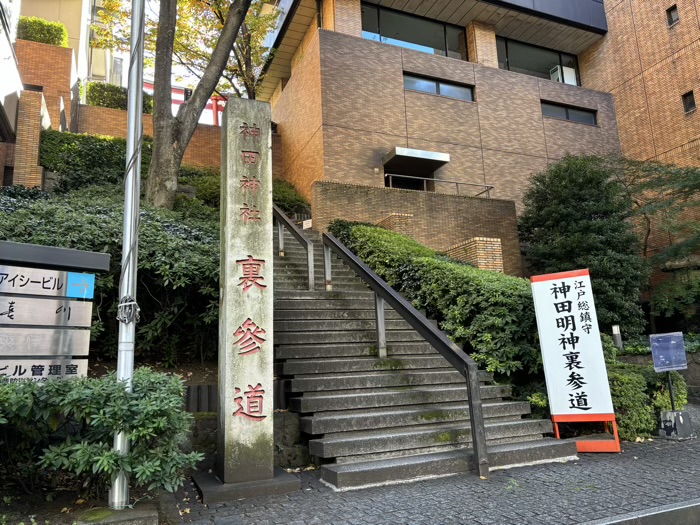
280, 237
310, 265
327, 267
128, 313
670, 392
381, 325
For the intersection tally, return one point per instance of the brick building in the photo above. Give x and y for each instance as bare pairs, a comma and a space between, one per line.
462, 100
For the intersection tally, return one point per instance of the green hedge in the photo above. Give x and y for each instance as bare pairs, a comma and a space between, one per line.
40, 30
116, 97
67, 428
491, 312
178, 285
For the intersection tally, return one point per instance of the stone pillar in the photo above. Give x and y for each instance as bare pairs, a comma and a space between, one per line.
481, 42
245, 432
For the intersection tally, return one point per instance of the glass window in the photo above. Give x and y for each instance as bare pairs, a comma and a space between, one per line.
537, 61
420, 84
502, 53
455, 91
412, 32
672, 15
689, 102
456, 43
582, 116
370, 22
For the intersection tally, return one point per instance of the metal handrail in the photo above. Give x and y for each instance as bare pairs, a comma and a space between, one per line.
284, 221
426, 180
454, 355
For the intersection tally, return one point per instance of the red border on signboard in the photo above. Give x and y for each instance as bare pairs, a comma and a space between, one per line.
555, 276
592, 445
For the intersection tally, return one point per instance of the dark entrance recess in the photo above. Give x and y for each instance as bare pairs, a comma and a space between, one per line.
412, 169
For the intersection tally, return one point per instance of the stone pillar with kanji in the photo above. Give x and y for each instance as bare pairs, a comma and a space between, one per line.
245, 433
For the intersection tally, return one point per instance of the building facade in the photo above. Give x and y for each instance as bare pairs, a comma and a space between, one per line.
650, 61
11, 85
459, 99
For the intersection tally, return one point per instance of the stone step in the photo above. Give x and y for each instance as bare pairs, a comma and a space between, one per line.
348, 315
354, 420
312, 402
420, 436
301, 271
362, 474
325, 296
308, 351
367, 336
328, 325
354, 364
354, 286
282, 303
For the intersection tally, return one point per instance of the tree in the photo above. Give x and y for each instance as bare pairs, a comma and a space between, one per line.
576, 217
667, 214
214, 42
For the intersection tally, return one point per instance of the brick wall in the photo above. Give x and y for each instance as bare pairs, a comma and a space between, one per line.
482, 252
439, 221
481, 44
32, 117
500, 139
398, 222
648, 66
204, 148
51, 67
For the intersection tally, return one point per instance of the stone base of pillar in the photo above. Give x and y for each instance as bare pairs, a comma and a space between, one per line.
214, 491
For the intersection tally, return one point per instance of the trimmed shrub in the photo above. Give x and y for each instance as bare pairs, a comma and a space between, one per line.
178, 284
635, 415
285, 195
39, 30
206, 185
69, 427
116, 97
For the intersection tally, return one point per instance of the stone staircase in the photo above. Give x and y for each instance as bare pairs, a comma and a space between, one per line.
371, 420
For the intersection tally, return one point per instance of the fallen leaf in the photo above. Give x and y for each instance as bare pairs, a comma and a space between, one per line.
80, 502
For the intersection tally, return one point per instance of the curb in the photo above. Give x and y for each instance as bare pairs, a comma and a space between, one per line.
684, 513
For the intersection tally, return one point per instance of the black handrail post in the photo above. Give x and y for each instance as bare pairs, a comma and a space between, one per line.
476, 419
327, 267
381, 325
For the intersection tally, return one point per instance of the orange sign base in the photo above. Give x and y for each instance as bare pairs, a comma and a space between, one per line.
592, 444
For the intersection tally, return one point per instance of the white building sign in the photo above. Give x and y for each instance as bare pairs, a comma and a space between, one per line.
572, 353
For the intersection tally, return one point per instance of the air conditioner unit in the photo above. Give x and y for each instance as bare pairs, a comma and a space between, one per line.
564, 74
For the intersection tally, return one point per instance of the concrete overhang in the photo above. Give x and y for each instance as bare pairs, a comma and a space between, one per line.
571, 26
414, 162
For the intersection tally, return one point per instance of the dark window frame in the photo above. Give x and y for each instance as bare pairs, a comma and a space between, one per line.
444, 25
688, 99
672, 12
437, 82
560, 53
566, 108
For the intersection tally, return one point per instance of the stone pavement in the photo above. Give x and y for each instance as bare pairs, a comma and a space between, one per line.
643, 476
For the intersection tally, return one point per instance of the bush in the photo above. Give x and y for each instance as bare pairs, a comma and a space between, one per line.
178, 284
575, 216
286, 197
491, 312
635, 416
116, 97
42, 31
207, 186
68, 427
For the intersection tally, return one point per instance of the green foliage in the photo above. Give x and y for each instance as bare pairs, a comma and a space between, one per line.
286, 197
575, 217
39, 30
635, 415
491, 312
68, 427
642, 345
178, 285
208, 187
116, 97
609, 349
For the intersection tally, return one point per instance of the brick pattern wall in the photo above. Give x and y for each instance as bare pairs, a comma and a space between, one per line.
347, 17
32, 117
483, 252
439, 221
481, 44
398, 222
204, 148
500, 139
648, 66
51, 67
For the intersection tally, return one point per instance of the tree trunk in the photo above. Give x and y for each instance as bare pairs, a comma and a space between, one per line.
164, 169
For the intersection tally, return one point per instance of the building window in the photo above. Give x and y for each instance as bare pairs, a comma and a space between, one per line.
537, 61
413, 32
437, 87
689, 102
582, 116
672, 15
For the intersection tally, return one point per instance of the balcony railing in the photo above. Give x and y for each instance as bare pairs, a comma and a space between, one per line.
466, 189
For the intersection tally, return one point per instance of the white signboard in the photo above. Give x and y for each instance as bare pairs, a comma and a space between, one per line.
572, 353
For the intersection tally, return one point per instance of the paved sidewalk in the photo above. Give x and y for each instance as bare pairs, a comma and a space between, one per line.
644, 476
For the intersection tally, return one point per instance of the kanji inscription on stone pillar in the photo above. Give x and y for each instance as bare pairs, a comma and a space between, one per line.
245, 434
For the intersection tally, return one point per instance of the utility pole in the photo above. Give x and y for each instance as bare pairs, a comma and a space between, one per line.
128, 313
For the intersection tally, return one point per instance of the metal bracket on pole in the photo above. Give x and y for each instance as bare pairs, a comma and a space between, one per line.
381, 325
